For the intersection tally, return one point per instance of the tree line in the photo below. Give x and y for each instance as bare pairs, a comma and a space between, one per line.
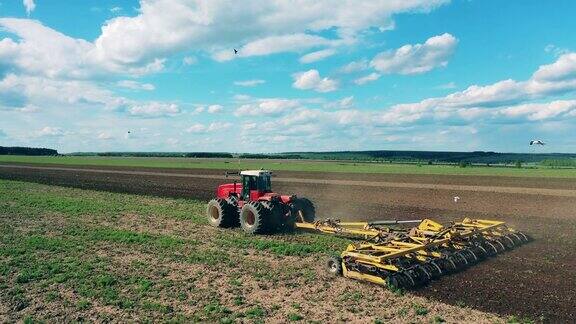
17, 150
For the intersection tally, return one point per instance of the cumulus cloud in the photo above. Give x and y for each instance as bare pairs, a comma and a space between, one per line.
135, 85
213, 109
271, 106
154, 109
541, 111
213, 127
553, 79
418, 58
367, 78
356, 66
42, 91
29, 5
249, 83
317, 56
164, 27
311, 80
344, 103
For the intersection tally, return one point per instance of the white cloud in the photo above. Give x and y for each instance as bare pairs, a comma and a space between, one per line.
115, 10
563, 69
154, 109
367, 78
165, 26
355, 66
213, 109
135, 85
317, 56
553, 79
311, 80
140, 44
418, 58
196, 128
277, 44
50, 132
344, 103
213, 127
271, 106
198, 110
541, 111
105, 136
551, 48
30, 6
249, 83
189, 60
41, 91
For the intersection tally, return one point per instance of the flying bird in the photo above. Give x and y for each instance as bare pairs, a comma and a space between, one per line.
537, 142
235, 51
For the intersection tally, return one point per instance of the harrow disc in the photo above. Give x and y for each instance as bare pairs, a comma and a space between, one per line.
433, 269
508, 241
525, 237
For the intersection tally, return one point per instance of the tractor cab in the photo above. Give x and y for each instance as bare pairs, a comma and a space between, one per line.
255, 183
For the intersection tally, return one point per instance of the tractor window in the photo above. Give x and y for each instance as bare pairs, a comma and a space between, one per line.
265, 185
249, 182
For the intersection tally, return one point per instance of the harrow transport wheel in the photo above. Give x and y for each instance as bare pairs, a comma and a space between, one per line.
334, 266
220, 213
255, 218
304, 209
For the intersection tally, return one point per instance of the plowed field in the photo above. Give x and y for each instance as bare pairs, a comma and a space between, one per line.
535, 280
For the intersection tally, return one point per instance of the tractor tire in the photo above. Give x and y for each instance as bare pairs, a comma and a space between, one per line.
278, 220
304, 210
221, 213
255, 218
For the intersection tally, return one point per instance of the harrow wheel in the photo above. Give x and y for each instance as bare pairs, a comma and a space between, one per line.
221, 213
334, 266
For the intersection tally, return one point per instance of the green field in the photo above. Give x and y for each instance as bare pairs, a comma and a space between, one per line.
71, 255
296, 165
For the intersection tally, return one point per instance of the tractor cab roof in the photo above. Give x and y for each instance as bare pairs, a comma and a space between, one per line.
255, 173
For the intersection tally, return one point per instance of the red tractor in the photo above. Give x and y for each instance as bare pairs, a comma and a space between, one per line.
253, 206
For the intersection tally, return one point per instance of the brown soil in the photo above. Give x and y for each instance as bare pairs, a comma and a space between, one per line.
535, 280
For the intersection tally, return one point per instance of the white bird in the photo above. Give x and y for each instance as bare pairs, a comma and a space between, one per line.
456, 198
537, 142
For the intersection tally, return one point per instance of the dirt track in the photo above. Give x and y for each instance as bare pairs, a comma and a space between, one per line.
536, 280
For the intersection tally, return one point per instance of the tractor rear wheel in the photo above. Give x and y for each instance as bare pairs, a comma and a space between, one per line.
255, 218
220, 213
304, 210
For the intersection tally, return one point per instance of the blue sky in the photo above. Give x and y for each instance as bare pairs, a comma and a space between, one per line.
309, 75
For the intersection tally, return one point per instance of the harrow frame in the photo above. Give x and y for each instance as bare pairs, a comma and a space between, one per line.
411, 257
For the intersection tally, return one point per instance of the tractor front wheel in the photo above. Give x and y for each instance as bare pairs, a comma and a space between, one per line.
255, 218
220, 213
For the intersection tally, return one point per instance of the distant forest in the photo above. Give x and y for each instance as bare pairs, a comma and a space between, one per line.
26, 151
430, 157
